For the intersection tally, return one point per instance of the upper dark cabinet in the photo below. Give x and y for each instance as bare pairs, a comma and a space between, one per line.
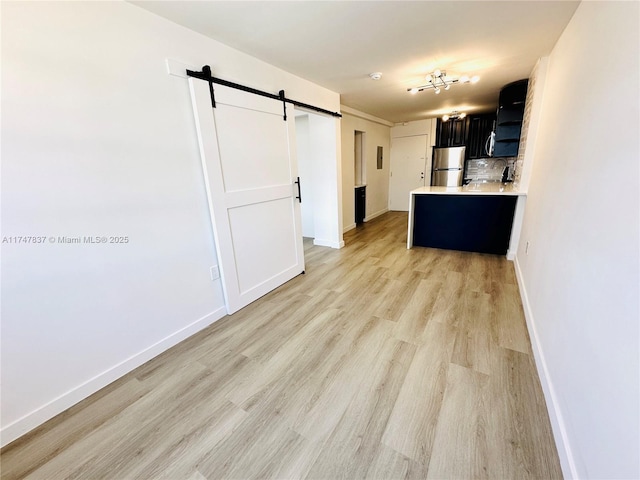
472, 132
509, 119
511, 115
452, 133
480, 128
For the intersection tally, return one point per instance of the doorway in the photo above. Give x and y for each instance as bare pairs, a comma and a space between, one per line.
316, 150
358, 159
359, 170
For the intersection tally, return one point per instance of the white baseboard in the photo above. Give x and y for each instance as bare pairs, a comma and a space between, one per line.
328, 243
350, 227
37, 417
567, 461
368, 218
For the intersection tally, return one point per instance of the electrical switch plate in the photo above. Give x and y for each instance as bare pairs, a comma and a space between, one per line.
215, 272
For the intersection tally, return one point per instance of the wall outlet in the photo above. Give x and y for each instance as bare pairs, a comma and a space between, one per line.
215, 272
526, 249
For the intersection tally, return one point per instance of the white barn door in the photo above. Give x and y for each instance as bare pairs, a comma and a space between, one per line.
249, 164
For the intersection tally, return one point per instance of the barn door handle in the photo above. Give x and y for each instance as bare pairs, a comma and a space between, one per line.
299, 197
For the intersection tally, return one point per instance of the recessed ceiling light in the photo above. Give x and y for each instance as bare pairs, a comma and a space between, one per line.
375, 76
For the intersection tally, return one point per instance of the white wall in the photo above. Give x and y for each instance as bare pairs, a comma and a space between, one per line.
98, 140
324, 185
418, 127
378, 133
580, 279
398, 188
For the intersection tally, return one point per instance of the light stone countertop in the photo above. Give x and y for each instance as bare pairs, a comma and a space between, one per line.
482, 188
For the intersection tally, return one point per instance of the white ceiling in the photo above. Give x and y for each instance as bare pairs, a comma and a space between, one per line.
337, 44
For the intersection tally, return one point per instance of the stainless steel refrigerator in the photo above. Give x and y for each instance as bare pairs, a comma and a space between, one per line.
448, 167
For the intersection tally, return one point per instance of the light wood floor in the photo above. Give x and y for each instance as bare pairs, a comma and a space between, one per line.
379, 363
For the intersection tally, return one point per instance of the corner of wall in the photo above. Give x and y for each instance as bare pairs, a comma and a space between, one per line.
328, 243
33, 419
533, 108
368, 218
349, 227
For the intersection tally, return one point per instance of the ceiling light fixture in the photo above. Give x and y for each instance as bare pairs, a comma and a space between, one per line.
438, 79
455, 115
375, 76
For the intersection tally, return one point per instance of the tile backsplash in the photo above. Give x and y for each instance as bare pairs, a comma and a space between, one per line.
489, 169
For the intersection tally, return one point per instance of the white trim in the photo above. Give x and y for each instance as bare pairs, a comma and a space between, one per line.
328, 243
356, 113
374, 215
516, 227
412, 201
177, 68
367, 219
350, 227
567, 461
65, 401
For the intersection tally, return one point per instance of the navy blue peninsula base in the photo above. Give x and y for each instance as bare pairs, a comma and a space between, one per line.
476, 218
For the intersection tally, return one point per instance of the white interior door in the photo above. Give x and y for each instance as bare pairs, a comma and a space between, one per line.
249, 163
408, 169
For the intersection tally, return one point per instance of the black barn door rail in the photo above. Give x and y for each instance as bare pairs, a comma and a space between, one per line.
205, 75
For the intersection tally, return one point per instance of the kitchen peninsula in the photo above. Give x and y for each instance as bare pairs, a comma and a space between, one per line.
478, 217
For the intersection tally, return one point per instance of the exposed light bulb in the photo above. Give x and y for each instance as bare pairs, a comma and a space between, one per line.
413, 91
475, 79
445, 118
428, 79
464, 79
437, 73
437, 90
447, 86
462, 115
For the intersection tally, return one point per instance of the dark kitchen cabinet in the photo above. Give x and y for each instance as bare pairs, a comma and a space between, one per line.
480, 128
361, 204
452, 133
509, 119
472, 132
